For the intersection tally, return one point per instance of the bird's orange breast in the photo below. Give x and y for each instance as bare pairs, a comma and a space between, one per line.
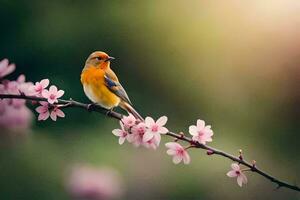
95, 89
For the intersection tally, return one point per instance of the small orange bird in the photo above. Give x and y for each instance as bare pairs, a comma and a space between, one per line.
101, 85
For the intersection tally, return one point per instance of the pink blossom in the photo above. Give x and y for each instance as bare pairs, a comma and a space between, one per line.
45, 111
201, 133
6, 68
178, 153
121, 133
52, 94
91, 183
137, 133
128, 121
154, 129
56, 112
39, 87
237, 172
152, 144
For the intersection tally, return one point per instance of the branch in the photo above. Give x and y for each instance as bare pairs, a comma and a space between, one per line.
118, 116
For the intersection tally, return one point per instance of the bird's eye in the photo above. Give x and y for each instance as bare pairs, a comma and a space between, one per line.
98, 58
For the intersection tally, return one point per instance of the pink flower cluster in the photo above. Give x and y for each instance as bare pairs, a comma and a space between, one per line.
147, 133
14, 115
45, 110
200, 133
48, 109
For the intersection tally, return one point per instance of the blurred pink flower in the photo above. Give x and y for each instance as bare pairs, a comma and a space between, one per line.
6, 68
12, 118
15, 87
23, 86
38, 88
237, 172
11, 87
14, 115
52, 94
3, 105
154, 129
178, 153
90, 183
201, 133
121, 133
128, 121
137, 133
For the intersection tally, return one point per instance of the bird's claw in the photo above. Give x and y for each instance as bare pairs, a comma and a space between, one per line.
90, 106
109, 111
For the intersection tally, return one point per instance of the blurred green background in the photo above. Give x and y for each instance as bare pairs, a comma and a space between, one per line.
232, 63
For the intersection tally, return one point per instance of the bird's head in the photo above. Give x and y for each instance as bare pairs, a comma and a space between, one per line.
99, 59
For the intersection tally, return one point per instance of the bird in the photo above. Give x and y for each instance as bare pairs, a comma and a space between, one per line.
101, 85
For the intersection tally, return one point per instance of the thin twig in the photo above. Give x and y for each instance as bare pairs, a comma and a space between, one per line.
182, 137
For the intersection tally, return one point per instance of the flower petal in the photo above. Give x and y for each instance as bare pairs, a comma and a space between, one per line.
147, 136
239, 181
235, 166
45, 94
44, 103
149, 121
44, 83
186, 158
53, 116
3, 64
121, 140
157, 138
231, 173
200, 123
171, 152
10, 68
21, 78
117, 132
244, 178
60, 93
193, 130
52, 101
59, 113
41, 109
43, 116
177, 159
163, 130
53, 89
162, 121
172, 145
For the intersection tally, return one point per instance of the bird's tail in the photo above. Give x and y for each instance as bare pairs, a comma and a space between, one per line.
126, 106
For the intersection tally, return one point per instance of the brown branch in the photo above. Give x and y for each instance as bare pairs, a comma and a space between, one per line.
118, 116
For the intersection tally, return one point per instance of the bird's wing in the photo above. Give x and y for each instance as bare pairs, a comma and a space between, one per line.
114, 86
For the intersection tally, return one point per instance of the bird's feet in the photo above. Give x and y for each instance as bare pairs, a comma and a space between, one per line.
91, 106
109, 111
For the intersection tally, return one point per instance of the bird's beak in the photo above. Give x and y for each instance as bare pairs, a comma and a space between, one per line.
109, 59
